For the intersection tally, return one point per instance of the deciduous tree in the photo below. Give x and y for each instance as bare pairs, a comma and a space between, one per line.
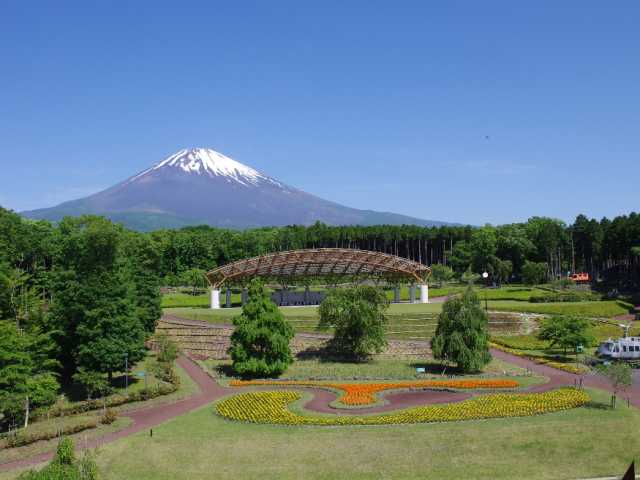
462, 335
358, 318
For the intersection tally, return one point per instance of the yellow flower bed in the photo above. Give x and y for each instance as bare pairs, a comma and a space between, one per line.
272, 407
542, 361
364, 393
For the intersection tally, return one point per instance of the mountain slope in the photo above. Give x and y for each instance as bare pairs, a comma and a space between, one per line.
202, 186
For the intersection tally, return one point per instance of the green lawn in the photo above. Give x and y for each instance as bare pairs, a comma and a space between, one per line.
586, 442
608, 308
383, 368
515, 292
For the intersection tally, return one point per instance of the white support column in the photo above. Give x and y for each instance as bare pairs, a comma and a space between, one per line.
424, 293
215, 298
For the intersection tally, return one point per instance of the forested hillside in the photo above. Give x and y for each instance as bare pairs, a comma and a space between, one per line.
586, 245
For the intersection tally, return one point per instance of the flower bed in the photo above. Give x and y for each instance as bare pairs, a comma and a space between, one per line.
356, 394
540, 360
272, 407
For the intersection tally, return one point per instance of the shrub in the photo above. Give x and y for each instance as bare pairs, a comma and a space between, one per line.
94, 383
357, 316
620, 376
109, 416
167, 348
111, 401
64, 466
20, 438
571, 296
65, 453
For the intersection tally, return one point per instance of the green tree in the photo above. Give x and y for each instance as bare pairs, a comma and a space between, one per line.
194, 278
469, 277
260, 340
483, 247
619, 374
513, 245
461, 256
143, 260
441, 273
27, 372
534, 273
358, 318
505, 268
462, 335
566, 332
93, 304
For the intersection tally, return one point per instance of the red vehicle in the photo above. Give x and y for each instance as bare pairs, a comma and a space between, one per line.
581, 277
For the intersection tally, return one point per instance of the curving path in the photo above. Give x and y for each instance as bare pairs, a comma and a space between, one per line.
146, 418
210, 390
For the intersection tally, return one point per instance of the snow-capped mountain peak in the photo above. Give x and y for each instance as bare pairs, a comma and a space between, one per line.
203, 187
205, 161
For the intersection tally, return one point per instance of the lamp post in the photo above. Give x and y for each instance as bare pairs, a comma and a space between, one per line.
126, 373
485, 275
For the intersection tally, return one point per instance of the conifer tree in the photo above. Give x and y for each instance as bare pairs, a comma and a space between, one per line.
260, 341
462, 335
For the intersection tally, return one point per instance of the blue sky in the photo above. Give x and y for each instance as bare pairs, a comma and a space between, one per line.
471, 112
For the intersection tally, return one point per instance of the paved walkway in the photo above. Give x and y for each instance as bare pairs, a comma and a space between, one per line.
147, 418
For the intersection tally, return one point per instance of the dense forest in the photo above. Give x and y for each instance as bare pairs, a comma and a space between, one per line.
77, 301
588, 245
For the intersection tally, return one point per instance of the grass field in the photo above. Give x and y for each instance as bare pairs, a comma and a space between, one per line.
586, 442
515, 292
384, 368
606, 309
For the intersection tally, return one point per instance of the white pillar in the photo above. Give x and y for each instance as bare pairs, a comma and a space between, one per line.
424, 293
215, 298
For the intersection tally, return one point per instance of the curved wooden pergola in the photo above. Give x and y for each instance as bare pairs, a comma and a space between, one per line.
320, 262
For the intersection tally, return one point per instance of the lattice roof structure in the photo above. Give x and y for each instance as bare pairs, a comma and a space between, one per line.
320, 262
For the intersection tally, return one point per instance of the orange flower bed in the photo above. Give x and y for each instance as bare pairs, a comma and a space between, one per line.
356, 394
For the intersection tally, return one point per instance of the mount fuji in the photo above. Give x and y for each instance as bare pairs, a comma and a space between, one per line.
201, 186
